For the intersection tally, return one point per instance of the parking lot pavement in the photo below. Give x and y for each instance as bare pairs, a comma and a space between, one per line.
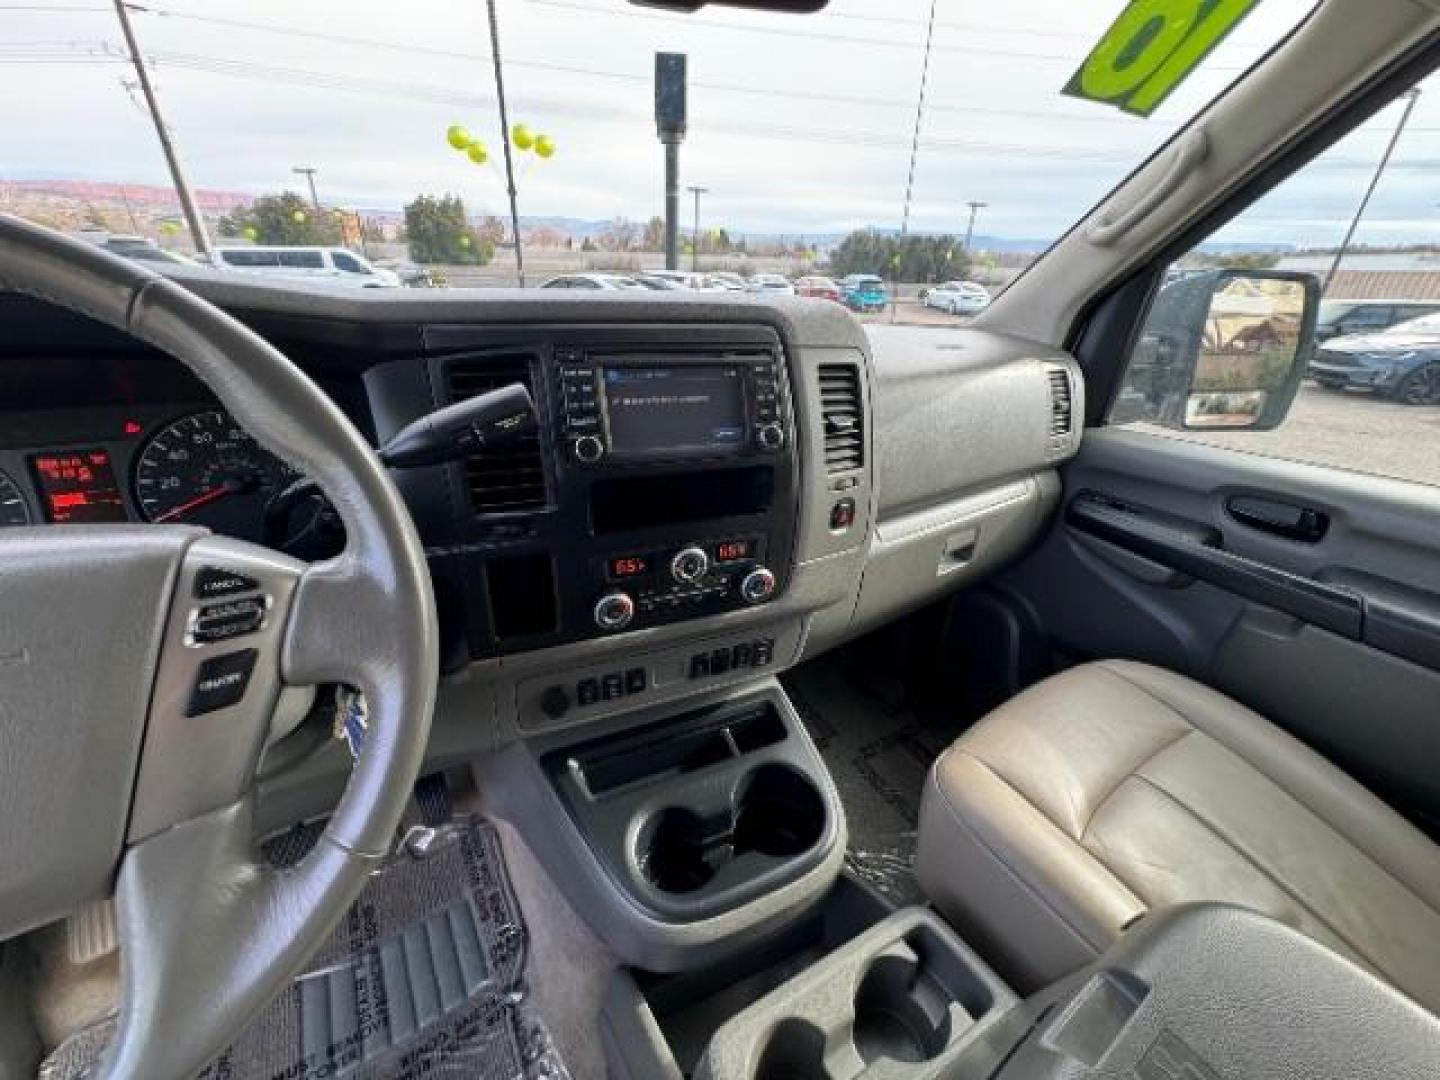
912, 313
1344, 430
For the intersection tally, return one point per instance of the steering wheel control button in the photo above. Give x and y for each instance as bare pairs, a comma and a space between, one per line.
226, 620
614, 611
842, 515
689, 565
221, 681
213, 582
757, 586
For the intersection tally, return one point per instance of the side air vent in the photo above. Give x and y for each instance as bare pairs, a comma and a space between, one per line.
843, 416
505, 481
1062, 407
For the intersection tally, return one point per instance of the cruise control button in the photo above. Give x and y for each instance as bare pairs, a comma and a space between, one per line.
636, 680
588, 692
234, 618
612, 686
221, 682
700, 666
213, 582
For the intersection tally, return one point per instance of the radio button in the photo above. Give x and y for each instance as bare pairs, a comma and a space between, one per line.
588, 449
757, 586
690, 565
770, 437
614, 611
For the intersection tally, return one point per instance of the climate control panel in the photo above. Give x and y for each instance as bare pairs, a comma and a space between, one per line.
643, 587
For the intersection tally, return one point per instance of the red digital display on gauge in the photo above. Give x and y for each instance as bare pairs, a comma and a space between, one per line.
78, 486
629, 566
732, 551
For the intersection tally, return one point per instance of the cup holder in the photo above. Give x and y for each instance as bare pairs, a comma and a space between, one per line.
776, 813
796, 1051
901, 1012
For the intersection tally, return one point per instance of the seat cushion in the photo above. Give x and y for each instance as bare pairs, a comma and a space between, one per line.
1117, 788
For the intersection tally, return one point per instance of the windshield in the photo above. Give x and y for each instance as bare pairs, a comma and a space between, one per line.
863, 139
1426, 324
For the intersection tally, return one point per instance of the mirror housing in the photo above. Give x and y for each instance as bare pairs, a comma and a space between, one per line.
1222, 349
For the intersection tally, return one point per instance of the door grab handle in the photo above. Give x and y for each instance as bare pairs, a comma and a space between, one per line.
1278, 518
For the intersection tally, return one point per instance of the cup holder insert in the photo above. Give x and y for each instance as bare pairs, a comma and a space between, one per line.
905, 1003
776, 813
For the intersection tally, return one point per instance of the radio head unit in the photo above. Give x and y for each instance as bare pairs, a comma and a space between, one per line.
648, 407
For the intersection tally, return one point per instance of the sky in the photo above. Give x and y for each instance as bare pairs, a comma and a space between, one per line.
798, 124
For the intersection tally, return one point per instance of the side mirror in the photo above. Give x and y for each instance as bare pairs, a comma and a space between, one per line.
1222, 349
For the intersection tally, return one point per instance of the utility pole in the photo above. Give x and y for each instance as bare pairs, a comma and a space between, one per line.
919, 116
695, 243
177, 175
505, 133
670, 126
975, 208
309, 174
1412, 96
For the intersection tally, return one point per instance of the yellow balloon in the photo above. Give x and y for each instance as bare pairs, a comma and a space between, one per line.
169, 228
298, 217
522, 138
477, 153
457, 137
251, 233
464, 241
544, 146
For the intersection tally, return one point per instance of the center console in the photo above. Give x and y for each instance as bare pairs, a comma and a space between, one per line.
663, 485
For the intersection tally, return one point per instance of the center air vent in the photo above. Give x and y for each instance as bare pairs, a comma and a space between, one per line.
1062, 407
508, 480
843, 416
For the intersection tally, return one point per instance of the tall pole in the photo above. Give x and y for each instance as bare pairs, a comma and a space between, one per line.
695, 242
919, 115
309, 174
975, 208
172, 159
672, 204
505, 134
1412, 96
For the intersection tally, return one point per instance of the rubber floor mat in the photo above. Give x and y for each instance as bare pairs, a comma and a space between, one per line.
878, 754
423, 978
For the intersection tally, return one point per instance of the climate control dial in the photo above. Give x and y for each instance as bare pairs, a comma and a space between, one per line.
588, 449
614, 611
757, 586
690, 565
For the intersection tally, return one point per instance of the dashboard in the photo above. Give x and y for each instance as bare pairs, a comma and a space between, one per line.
716, 486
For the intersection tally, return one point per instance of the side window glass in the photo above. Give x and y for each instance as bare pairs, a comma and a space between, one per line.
302, 260
348, 263
1221, 361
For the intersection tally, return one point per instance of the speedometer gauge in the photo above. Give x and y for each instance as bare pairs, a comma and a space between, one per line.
14, 510
204, 469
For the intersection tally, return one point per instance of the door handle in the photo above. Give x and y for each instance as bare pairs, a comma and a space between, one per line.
1302, 524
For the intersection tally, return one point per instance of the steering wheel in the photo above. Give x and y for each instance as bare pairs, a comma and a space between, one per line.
140, 666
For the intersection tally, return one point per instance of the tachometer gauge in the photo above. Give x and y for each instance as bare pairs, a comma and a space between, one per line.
204, 469
14, 510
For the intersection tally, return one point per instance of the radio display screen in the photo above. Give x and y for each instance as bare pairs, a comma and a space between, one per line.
677, 408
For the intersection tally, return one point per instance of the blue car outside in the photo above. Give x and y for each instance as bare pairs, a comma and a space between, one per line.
864, 292
1401, 363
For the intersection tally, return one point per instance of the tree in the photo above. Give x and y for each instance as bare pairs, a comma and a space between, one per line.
439, 233
286, 219
900, 258
619, 235
654, 239
1253, 260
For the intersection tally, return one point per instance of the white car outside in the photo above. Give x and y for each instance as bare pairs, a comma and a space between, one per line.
958, 297
772, 284
333, 264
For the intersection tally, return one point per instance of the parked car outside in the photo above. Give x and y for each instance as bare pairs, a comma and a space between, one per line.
958, 297
864, 292
821, 288
139, 248
686, 279
1344, 318
725, 279
1402, 362
411, 275
772, 284
601, 282
656, 283
333, 264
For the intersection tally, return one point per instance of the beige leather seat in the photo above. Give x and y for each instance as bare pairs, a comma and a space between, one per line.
1116, 788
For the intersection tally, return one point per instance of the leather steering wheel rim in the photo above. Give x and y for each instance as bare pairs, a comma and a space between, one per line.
208, 934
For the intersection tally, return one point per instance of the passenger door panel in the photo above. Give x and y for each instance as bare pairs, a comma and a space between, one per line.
1310, 594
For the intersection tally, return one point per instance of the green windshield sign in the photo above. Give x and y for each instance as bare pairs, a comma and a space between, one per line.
1151, 49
